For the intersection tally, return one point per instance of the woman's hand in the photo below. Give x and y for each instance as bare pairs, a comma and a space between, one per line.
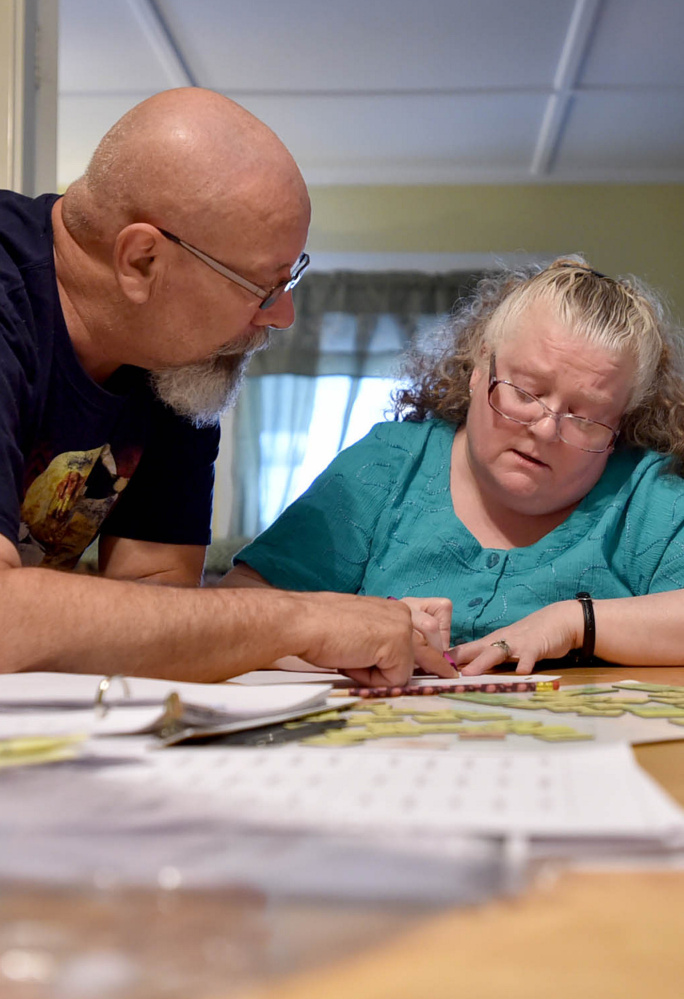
432, 617
549, 633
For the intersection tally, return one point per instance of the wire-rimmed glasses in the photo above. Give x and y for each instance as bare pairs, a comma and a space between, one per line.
514, 403
269, 297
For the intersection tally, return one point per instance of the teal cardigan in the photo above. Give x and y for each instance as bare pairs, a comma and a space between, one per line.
379, 520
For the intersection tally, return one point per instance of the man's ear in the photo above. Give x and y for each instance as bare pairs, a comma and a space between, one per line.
138, 250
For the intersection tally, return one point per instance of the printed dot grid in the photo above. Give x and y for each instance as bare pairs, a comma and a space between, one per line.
351, 791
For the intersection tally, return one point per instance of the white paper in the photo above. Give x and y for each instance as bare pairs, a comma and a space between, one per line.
596, 791
69, 690
63, 704
65, 824
266, 677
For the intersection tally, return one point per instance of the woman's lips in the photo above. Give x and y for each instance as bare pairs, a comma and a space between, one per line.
529, 459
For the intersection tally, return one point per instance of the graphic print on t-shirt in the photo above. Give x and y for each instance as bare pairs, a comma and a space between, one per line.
65, 505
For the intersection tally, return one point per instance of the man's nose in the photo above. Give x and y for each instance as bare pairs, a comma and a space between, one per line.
280, 316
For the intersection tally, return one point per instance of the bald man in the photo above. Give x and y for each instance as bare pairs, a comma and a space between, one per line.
128, 309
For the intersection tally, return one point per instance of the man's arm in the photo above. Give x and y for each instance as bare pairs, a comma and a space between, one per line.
150, 562
431, 618
51, 620
243, 575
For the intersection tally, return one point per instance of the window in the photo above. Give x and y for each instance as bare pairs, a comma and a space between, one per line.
343, 410
323, 384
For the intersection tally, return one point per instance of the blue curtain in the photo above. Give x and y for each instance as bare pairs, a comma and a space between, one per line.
350, 332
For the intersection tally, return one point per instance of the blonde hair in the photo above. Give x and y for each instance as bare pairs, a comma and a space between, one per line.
621, 315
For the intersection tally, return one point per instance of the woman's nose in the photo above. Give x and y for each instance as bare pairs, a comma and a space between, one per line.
546, 428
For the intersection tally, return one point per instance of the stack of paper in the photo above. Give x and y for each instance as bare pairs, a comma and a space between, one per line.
55, 704
392, 821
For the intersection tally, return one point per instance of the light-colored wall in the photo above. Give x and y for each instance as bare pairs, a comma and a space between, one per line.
28, 95
636, 229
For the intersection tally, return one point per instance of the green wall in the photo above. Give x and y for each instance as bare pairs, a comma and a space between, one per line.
621, 228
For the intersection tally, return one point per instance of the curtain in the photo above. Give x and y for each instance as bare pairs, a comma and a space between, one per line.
271, 429
357, 324
349, 324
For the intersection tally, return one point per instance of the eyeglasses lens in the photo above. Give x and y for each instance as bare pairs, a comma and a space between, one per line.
300, 266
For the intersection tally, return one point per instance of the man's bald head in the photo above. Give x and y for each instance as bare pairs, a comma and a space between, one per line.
193, 162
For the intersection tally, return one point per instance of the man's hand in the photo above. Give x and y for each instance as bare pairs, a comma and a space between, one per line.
372, 640
549, 633
431, 619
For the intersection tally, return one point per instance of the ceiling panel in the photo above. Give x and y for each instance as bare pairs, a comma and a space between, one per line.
445, 138
637, 43
622, 136
102, 49
361, 45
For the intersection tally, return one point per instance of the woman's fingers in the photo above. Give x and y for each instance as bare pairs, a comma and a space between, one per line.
430, 659
429, 627
432, 616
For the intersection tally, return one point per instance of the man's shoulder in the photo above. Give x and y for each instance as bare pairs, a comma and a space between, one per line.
25, 233
28, 291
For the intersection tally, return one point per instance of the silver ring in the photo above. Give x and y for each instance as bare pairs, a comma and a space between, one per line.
504, 646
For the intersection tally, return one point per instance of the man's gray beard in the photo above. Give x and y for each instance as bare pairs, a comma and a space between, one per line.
202, 391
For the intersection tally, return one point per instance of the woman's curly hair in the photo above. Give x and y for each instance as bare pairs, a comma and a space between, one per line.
621, 315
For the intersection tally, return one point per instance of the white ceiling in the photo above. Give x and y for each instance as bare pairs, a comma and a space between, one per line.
399, 91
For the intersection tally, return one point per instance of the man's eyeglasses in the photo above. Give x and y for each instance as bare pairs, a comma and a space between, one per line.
269, 297
516, 404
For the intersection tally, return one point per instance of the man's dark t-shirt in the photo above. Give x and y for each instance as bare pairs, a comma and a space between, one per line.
77, 457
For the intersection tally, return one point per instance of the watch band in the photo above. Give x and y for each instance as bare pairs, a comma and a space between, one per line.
589, 641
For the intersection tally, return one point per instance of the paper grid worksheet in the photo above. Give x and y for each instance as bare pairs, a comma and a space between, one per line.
584, 791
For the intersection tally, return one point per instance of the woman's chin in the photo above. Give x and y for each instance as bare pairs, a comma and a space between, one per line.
521, 494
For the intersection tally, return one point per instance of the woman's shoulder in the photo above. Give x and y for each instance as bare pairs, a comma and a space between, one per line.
393, 446
412, 433
644, 474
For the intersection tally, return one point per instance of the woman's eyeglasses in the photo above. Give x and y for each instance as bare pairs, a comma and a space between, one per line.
516, 404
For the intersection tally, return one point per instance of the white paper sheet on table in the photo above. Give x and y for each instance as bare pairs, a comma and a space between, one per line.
69, 690
585, 791
267, 677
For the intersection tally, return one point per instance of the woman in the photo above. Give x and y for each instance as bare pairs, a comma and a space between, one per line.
538, 457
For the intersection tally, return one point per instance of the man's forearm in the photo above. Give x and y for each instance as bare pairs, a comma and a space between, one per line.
74, 623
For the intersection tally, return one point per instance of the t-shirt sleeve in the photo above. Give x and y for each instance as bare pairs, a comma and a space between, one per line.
18, 371
323, 540
169, 497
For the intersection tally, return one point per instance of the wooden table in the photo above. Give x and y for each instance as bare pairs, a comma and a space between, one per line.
575, 935
585, 935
